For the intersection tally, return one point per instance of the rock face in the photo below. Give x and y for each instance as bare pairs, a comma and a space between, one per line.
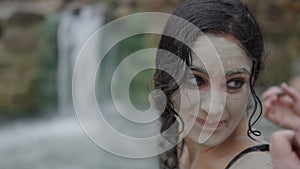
41, 7
22, 61
18, 68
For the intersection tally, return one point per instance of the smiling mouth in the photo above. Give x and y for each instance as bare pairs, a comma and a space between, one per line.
210, 125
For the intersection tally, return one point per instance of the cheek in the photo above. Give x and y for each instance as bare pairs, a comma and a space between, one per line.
186, 104
236, 103
186, 100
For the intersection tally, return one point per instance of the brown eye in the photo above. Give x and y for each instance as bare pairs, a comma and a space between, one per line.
235, 84
196, 81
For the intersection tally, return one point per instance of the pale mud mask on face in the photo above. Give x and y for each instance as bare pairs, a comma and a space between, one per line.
217, 116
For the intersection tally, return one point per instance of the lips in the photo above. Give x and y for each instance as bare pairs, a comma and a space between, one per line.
207, 124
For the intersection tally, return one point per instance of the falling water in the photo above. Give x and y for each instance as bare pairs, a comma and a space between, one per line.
76, 26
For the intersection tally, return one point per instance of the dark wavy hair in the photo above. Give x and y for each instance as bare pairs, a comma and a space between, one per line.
219, 17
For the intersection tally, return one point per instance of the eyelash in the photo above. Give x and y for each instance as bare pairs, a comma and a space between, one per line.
238, 83
196, 80
202, 82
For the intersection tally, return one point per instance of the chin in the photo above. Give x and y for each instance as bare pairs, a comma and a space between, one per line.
211, 142
208, 141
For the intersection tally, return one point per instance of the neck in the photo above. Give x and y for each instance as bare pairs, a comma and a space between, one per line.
204, 156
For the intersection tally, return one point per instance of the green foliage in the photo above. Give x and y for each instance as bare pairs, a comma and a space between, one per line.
139, 89
46, 88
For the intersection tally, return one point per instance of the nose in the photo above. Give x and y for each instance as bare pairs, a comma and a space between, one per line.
213, 102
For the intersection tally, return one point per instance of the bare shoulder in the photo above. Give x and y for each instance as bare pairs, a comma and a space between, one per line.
254, 160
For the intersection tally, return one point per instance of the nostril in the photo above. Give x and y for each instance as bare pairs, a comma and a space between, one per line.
216, 110
213, 102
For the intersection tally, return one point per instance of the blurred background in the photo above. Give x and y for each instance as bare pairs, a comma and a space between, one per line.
39, 43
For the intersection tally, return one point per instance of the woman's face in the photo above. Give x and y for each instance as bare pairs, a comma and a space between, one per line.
219, 121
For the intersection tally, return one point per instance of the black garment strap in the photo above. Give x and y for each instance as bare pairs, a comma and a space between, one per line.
263, 147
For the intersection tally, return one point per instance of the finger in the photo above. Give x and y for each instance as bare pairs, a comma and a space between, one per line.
268, 106
271, 92
281, 150
290, 91
297, 135
269, 109
297, 142
285, 101
280, 143
282, 137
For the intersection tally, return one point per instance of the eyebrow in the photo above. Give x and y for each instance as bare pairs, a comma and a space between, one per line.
199, 69
237, 71
229, 73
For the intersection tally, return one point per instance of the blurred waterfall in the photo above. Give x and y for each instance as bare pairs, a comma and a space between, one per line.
75, 27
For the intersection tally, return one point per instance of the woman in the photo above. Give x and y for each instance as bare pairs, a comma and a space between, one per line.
221, 136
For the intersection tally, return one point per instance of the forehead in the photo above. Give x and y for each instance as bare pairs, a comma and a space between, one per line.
209, 48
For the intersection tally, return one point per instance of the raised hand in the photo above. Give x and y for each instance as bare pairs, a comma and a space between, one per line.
281, 105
